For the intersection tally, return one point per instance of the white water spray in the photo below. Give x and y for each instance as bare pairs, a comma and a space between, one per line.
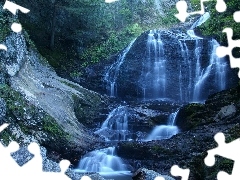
112, 73
115, 127
165, 131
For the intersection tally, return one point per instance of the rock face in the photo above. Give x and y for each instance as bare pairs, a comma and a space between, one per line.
218, 107
2, 108
136, 120
166, 64
145, 174
189, 148
42, 106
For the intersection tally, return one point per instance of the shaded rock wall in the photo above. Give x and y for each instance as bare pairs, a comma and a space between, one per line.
42, 106
182, 80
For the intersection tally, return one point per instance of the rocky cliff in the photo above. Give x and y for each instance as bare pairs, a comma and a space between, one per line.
163, 64
40, 106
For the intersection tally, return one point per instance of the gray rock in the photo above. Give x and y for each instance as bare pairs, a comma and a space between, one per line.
146, 174
226, 111
2, 78
2, 108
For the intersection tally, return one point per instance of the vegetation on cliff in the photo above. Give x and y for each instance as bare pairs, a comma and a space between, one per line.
218, 21
74, 34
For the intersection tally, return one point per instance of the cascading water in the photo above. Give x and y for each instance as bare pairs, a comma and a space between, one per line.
115, 127
103, 161
153, 78
220, 66
166, 64
164, 131
214, 63
112, 73
198, 72
200, 21
185, 88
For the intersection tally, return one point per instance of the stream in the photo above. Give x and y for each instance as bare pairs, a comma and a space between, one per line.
156, 77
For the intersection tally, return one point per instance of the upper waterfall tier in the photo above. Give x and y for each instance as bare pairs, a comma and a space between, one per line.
170, 64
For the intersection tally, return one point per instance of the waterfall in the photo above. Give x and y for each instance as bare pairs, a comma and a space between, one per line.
185, 88
112, 72
202, 74
153, 78
220, 66
164, 131
198, 72
115, 127
200, 21
103, 161
172, 118
168, 65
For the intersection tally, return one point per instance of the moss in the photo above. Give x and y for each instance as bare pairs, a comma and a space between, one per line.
24, 128
50, 126
16, 104
6, 19
233, 133
7, 137
219, 21
17, 107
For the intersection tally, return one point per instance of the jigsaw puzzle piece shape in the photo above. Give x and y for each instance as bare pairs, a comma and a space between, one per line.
36, 161
13, 8
10, 165
85, 178
222, 51
182, 9
159, 178
227, 150
221, 6
236, 16
177, 171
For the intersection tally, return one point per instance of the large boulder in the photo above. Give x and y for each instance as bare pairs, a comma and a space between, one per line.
43, 107
218, 107
145, 174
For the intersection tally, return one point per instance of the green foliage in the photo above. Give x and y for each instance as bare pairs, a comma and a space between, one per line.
195, 5
50, 126
5, 21
15, 102
116, 42
219, 21
7, 137
169, 19
89, 31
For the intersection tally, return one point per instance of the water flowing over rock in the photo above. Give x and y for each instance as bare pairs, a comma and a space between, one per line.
113, 71
115, 127
171, 64
165, 131
103, 161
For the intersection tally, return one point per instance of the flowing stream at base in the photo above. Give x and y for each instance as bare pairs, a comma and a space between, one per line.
153, 81
105, 162
115, 128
